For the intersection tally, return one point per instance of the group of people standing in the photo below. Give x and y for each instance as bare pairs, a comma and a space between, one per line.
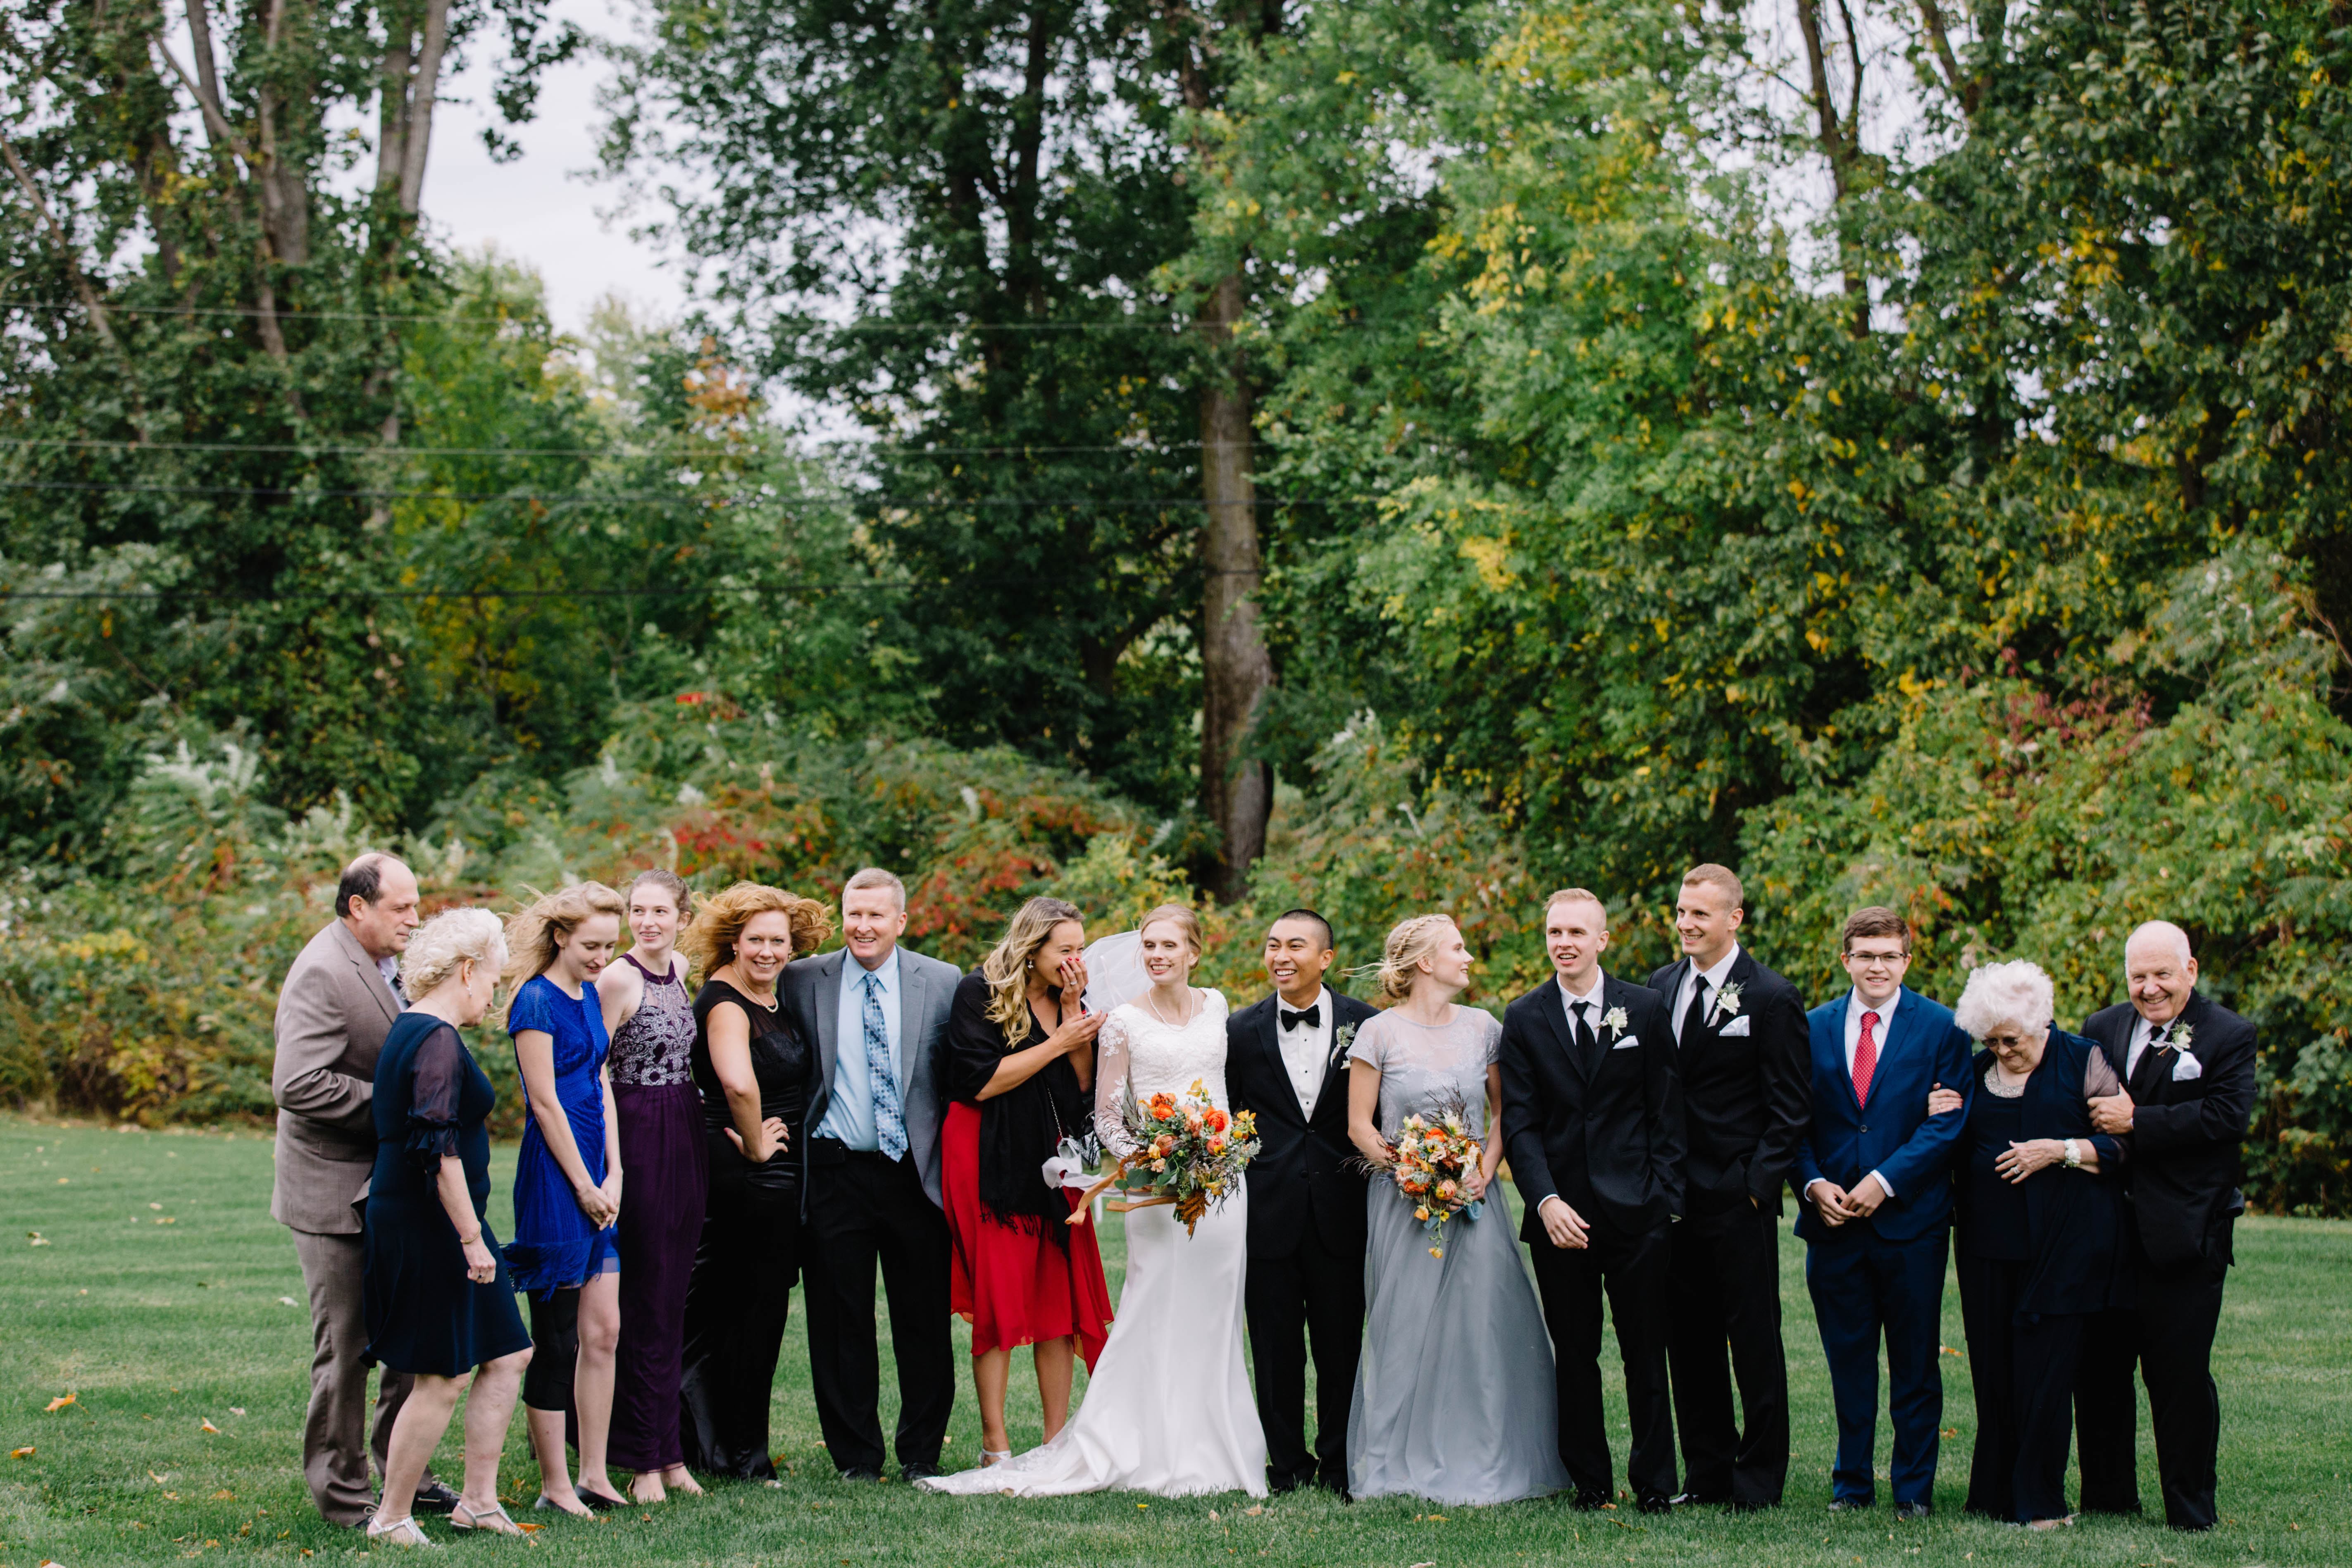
813, 1117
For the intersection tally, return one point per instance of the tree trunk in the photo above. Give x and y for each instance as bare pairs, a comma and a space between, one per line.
1236, 790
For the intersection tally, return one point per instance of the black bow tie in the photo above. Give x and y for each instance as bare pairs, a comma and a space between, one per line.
1312, 1018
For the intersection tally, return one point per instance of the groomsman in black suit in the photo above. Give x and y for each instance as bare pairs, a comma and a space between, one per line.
1286, 1061
2188, 1070
1592, 1122
1740, 1045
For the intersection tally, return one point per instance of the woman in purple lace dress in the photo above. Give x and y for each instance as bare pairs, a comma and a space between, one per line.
662, 1147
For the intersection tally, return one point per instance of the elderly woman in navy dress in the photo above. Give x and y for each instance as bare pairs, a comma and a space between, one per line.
437, 1301
567, 1184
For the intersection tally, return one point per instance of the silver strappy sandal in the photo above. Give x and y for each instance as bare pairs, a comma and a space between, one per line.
400, 1533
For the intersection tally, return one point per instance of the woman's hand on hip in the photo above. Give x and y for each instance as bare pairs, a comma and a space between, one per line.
774, 1138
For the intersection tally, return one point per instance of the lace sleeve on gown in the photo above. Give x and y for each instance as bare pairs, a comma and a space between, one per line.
438, 1080
1112, 1050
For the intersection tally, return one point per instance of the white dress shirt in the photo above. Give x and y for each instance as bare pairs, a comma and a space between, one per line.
389, 967
1592, 1012
1854, 1009
1306, 1051
1715, 977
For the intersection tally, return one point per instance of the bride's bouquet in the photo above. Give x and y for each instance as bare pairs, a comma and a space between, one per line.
1186, 1150
1431, 1156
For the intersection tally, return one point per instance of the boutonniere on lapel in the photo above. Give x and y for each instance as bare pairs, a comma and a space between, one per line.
1342, 1038
2185, 1068
2177, 1040
1613, 1021
1727, 1004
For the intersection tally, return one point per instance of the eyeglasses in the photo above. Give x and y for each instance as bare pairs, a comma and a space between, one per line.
2002, 1042
1877, 960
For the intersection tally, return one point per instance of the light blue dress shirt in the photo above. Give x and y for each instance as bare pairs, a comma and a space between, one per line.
850, 1115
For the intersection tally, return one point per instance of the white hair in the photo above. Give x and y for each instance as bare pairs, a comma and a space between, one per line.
447, 940
2017, 992
2157, 931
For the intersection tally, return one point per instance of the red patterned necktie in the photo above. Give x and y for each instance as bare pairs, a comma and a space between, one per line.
1866, 1059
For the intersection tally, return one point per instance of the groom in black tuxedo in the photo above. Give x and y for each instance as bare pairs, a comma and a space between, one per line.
1592, 1121
1746, 1071
1286, 1061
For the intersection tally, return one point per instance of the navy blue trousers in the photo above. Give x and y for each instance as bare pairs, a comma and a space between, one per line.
1866, 1291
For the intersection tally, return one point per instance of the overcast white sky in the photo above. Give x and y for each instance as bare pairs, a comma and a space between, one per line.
540, 208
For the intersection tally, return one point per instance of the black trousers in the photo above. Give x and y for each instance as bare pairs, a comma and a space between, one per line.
1312, 1295
736, 1302
1634, 1271
2168, 1338
1725, 1283
2024, 1367
864, 1209
554, 1352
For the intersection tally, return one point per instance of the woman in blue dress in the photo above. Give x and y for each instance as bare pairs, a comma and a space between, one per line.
567, 1184
439, 1306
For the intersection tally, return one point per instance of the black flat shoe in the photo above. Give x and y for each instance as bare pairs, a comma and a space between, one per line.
1590, 1503
859, 1473
1655, 1503
599, 1502
1693, 1499
434, 1497
1904, 1512
910, 1474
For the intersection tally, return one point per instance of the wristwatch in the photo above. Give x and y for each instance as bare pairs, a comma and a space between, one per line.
2073, 1156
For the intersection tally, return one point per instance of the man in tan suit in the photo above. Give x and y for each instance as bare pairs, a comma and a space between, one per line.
338, 1003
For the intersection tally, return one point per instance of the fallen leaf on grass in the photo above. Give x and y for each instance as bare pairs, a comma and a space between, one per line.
287, 1301
157, 1207
210, 1427
1254, 1511
171, 1497
60, 1402
20, 1452
159, 1480
526, 1526
1212, 1513
224, 1495
38, 1240
236, 1410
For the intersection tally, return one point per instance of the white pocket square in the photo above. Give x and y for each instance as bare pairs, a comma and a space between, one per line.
2186, 1067
1736, 1029
1629, 1043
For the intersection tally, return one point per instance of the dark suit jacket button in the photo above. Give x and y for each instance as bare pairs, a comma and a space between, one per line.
1865, 1127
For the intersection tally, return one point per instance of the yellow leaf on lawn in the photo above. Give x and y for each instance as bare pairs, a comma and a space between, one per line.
60, 1402
210, 1427
20, 1452
224, 1495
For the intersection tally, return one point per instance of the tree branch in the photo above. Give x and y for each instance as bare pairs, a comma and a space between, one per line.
90, 300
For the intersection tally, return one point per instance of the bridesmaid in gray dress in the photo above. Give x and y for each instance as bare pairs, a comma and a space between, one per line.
1455, 1394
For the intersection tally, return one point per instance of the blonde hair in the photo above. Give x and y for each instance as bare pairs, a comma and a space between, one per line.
1006, 967
1719, 876
1409, 941
875, 877
1184, 919
447, 941
1577, 896
537, 931
709, 944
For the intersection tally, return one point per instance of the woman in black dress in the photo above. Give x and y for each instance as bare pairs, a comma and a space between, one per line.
438, 1302
756, 1074
2040, 1207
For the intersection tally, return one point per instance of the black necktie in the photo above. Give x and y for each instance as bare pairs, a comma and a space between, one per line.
1312, 1016
1586, 1041
2145, 1078
1694, 1016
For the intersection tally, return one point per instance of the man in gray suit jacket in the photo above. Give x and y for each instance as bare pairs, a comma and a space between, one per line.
338, 1003
876, 1013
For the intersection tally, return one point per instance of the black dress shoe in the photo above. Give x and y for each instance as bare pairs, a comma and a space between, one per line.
1850, 1504
910, 1474
1655, 1502
434, 1497
861, 1473
1277, 1485
1748, 1505
1591, 1502
1693, 1499
1907, 1511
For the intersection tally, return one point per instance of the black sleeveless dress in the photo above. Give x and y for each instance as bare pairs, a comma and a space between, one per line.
749, 1255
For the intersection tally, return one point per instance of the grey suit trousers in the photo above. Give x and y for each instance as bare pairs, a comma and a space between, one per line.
335, 1441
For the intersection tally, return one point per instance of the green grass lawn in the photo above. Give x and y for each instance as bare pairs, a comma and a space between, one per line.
161, 1297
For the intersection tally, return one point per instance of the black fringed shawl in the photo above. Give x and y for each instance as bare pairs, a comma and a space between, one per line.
1019, 1128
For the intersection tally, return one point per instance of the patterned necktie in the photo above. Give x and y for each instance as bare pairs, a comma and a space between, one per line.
1866, 1059
1695, 1016
890, 1124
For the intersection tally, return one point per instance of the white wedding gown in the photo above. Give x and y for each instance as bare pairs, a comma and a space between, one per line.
1168, 1409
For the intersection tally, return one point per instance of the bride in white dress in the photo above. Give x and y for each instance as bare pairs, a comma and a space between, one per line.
1168, 1408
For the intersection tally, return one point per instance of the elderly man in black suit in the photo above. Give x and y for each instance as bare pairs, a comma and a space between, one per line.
2187, 1072
1592, 1122
1286, 1061
1740, 1047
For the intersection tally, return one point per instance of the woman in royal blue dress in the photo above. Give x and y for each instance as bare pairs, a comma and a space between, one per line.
567, 1184
439, 1306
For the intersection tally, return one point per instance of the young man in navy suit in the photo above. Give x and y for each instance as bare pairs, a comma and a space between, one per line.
1874, 1174
1593, 1119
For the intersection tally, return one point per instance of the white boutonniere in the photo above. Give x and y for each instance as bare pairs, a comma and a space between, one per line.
1613, 1021
2177, 1040
1726, 1002
1342, 1038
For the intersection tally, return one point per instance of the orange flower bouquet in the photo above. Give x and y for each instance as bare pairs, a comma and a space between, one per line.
1187, 1152
1433, 1154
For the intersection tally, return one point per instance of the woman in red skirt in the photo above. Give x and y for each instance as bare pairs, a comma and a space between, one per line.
1021, 1058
